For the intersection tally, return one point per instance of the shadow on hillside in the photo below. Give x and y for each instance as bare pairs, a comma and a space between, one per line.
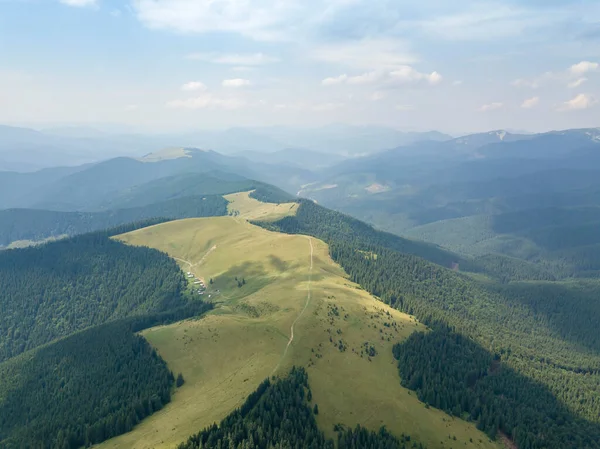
455, 374
570, 311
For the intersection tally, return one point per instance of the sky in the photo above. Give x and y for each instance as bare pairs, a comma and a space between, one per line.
164, 65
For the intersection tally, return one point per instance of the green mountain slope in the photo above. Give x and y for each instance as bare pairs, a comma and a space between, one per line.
561, 241
35, 225
59, 288
91, 186
540, 332
176, 197
327, 224
281, 414
87, 387
73, 370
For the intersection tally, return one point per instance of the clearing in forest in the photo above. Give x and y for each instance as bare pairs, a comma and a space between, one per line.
262, 285
244, 206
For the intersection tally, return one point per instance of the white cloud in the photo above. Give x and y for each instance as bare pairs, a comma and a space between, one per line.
401, 75
237, 82
583, 67
533, 84
366, 78
242, 68
193, 86
578, 82
407, 74
581, 101
332, 81
573, 76
530, 103
486, 21
207, 101
404, 107
327, 107
366, 54
490, 107
261, 19
288, 107
377, 95
79, 3
457, 83
237, 59
131, 107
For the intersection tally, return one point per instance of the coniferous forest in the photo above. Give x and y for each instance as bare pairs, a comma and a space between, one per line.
36, 225
68, 380
81, 390
546, 385
62, 287
278, 414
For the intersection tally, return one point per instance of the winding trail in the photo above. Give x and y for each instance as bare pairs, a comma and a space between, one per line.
200, 261
308, 298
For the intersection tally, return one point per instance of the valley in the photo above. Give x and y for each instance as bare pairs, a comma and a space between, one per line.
262, 287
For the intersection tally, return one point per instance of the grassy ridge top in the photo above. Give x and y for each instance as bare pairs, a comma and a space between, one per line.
342, 335
243, 205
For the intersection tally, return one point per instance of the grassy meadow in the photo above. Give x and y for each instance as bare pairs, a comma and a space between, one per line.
262, 284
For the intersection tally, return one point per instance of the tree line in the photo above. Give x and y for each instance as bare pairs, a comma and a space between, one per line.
550, 339
62, 287
36, 225
75, 372
278, 415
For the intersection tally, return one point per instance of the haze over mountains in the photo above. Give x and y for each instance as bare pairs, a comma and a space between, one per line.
493, 244
399, 189
24, 149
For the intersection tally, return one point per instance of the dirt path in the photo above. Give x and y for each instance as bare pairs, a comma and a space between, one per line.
200, 261
308, 298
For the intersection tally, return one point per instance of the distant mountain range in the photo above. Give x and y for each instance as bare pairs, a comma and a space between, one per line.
23, 149
132, 182
454, 194
494, 247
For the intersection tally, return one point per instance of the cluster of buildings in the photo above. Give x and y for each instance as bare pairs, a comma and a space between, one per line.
198, 283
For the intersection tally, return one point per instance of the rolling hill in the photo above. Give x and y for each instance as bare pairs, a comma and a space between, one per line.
493, 346
295, 284
73, 371
280, 301
97, 186
183, 196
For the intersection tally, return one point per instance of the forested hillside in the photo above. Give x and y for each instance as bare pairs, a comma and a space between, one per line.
66, 379
331, 225
281, 414
181, 186
125, 183
547, 338
59, 288
529, 197
32, 225
453, 373
563, 241
35, 225
86, 388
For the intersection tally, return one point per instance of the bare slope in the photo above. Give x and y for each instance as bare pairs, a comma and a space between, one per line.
285, 284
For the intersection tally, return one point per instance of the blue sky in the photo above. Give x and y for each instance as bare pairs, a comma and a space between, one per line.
456, 66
